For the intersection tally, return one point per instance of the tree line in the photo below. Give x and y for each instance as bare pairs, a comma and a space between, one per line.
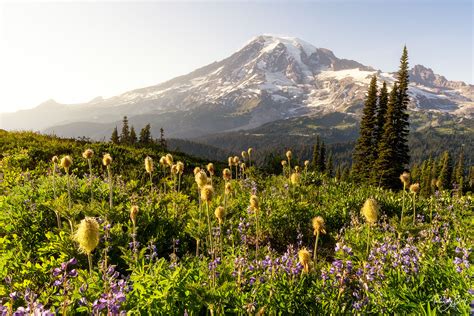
128, 136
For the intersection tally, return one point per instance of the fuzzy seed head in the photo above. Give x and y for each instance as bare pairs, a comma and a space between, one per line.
163, 161
297, 168
319, 226
226, 174
196, 170
235, 160
174, 169
66, 162
231, 161
88, 154
295, 178
133, 214
169, 159
370, 210
306, 163
220, 214
149, 164
250, 150
405, 178
228, 188
210, 168
242, 165
244, 154
180, 166
439, 184
304, 257
254, 202
415, 188
87, 235
107, 160
207, 192
284, 163
201, 179
289, 154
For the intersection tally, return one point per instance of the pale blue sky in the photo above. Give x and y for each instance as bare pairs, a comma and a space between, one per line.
73, 52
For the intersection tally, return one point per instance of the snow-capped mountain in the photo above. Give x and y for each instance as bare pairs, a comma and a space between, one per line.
270, 78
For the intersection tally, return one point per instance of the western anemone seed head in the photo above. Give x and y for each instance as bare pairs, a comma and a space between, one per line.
289, 154
226, 174
163, 161
244, 154
228, 188
305, 258
249, 151
210, 168
297, 168
169, 159
231, 161
439, 184
196, 170
201, 178
370, 210
242, 165
254, 202
133, 214
283, 163
415, 188
319, 225
295, 178
236, 160
88, 153
149, 164
207, 192
66, 162
107, 160
306, 163
55, 159
405, 178
180, 166
87, 235
174, 169
219, 213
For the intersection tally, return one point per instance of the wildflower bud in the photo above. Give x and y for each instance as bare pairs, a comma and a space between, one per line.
133, 214
244, 155
319, 226
370, 210
231, 161
284, 163
207, 192
107, 160
169, 159
196, 170
242, 165
66, 162
88, 153
219, 213
174, 169
305, 258
289, 154
228, 188
87, 235
226, 174
55, 159
297, 169
180, 167
405, 178
201, 179
306, 163
163, 161
415, 188
236, 160
254, 202
149, 164
295, 178
210, 168
249, 151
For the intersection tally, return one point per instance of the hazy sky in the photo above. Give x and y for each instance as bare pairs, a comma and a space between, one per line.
72, 52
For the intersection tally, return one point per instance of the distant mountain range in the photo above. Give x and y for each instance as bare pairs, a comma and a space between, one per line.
269, 85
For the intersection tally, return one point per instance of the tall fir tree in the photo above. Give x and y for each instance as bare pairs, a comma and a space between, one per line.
133, 136
162, 139
316, 150
445, 172
381, 112
145, 135
365, 150
321, 167
459, 171
115, 137
125, 135
330, 165
426, 178
387, 170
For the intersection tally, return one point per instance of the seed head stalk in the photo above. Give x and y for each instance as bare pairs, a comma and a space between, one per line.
109, 172
315, 256
90, 179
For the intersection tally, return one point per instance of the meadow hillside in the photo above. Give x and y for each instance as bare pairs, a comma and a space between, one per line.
104, 229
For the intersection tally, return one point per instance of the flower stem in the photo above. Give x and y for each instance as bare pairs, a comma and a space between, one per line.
316, 248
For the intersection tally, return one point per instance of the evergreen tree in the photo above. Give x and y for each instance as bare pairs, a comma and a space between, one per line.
330, 166
115, 138
316, 150
426, 178
459, 171
364, 151
387, 170
381, 111
445, 172
145, 135
434, 175
125, 135
133, 136
338, 172
321, 167
162, 139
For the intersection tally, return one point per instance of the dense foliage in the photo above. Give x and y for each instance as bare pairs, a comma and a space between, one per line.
165, 247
